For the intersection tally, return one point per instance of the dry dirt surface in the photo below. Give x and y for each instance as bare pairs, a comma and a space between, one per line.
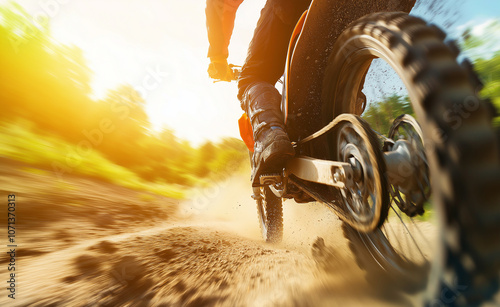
82, 242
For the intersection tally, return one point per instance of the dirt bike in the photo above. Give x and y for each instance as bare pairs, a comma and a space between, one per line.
380, 185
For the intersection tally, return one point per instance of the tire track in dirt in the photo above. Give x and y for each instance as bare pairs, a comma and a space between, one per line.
211, 254
168, 265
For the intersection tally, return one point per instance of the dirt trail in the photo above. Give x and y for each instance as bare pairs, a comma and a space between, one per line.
117, 247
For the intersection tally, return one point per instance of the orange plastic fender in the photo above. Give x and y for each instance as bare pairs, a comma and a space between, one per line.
246, 131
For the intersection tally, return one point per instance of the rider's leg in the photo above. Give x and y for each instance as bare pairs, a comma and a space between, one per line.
272, 146
259, 98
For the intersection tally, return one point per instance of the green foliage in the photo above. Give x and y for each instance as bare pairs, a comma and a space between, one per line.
486, 59
482, 45
230, 154
19, 142
45, 87
380, 115
486, 62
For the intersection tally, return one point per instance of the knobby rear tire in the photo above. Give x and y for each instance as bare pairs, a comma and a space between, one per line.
461, 145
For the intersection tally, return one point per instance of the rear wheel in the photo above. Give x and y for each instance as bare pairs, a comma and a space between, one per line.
403, 244
461, 149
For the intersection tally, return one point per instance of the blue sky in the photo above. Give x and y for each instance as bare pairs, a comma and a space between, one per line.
458, 12
453, 17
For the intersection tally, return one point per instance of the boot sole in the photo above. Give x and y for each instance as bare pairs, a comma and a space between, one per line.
273, 160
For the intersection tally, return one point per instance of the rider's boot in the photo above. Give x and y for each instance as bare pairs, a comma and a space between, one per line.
272, 147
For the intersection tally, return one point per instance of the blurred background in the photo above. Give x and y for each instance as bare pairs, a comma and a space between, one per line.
119, 90
109, 123
116, 90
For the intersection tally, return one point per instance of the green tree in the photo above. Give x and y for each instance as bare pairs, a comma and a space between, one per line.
206, 154
380, 115
483, 50
41, 80
48, 84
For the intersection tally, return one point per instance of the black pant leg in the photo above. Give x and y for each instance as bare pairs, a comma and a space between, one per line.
267, 52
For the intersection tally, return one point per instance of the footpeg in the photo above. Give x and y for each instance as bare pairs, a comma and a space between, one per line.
270, 179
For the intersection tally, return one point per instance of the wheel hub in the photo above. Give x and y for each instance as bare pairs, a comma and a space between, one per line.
407, 166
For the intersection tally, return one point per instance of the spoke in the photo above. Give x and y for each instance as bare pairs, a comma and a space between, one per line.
380, 134
408, 132
412, 227
397, 239
407, 242
398, 134
428, 184
384, 230
404, 224
422, 190
421, 234
400, 198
